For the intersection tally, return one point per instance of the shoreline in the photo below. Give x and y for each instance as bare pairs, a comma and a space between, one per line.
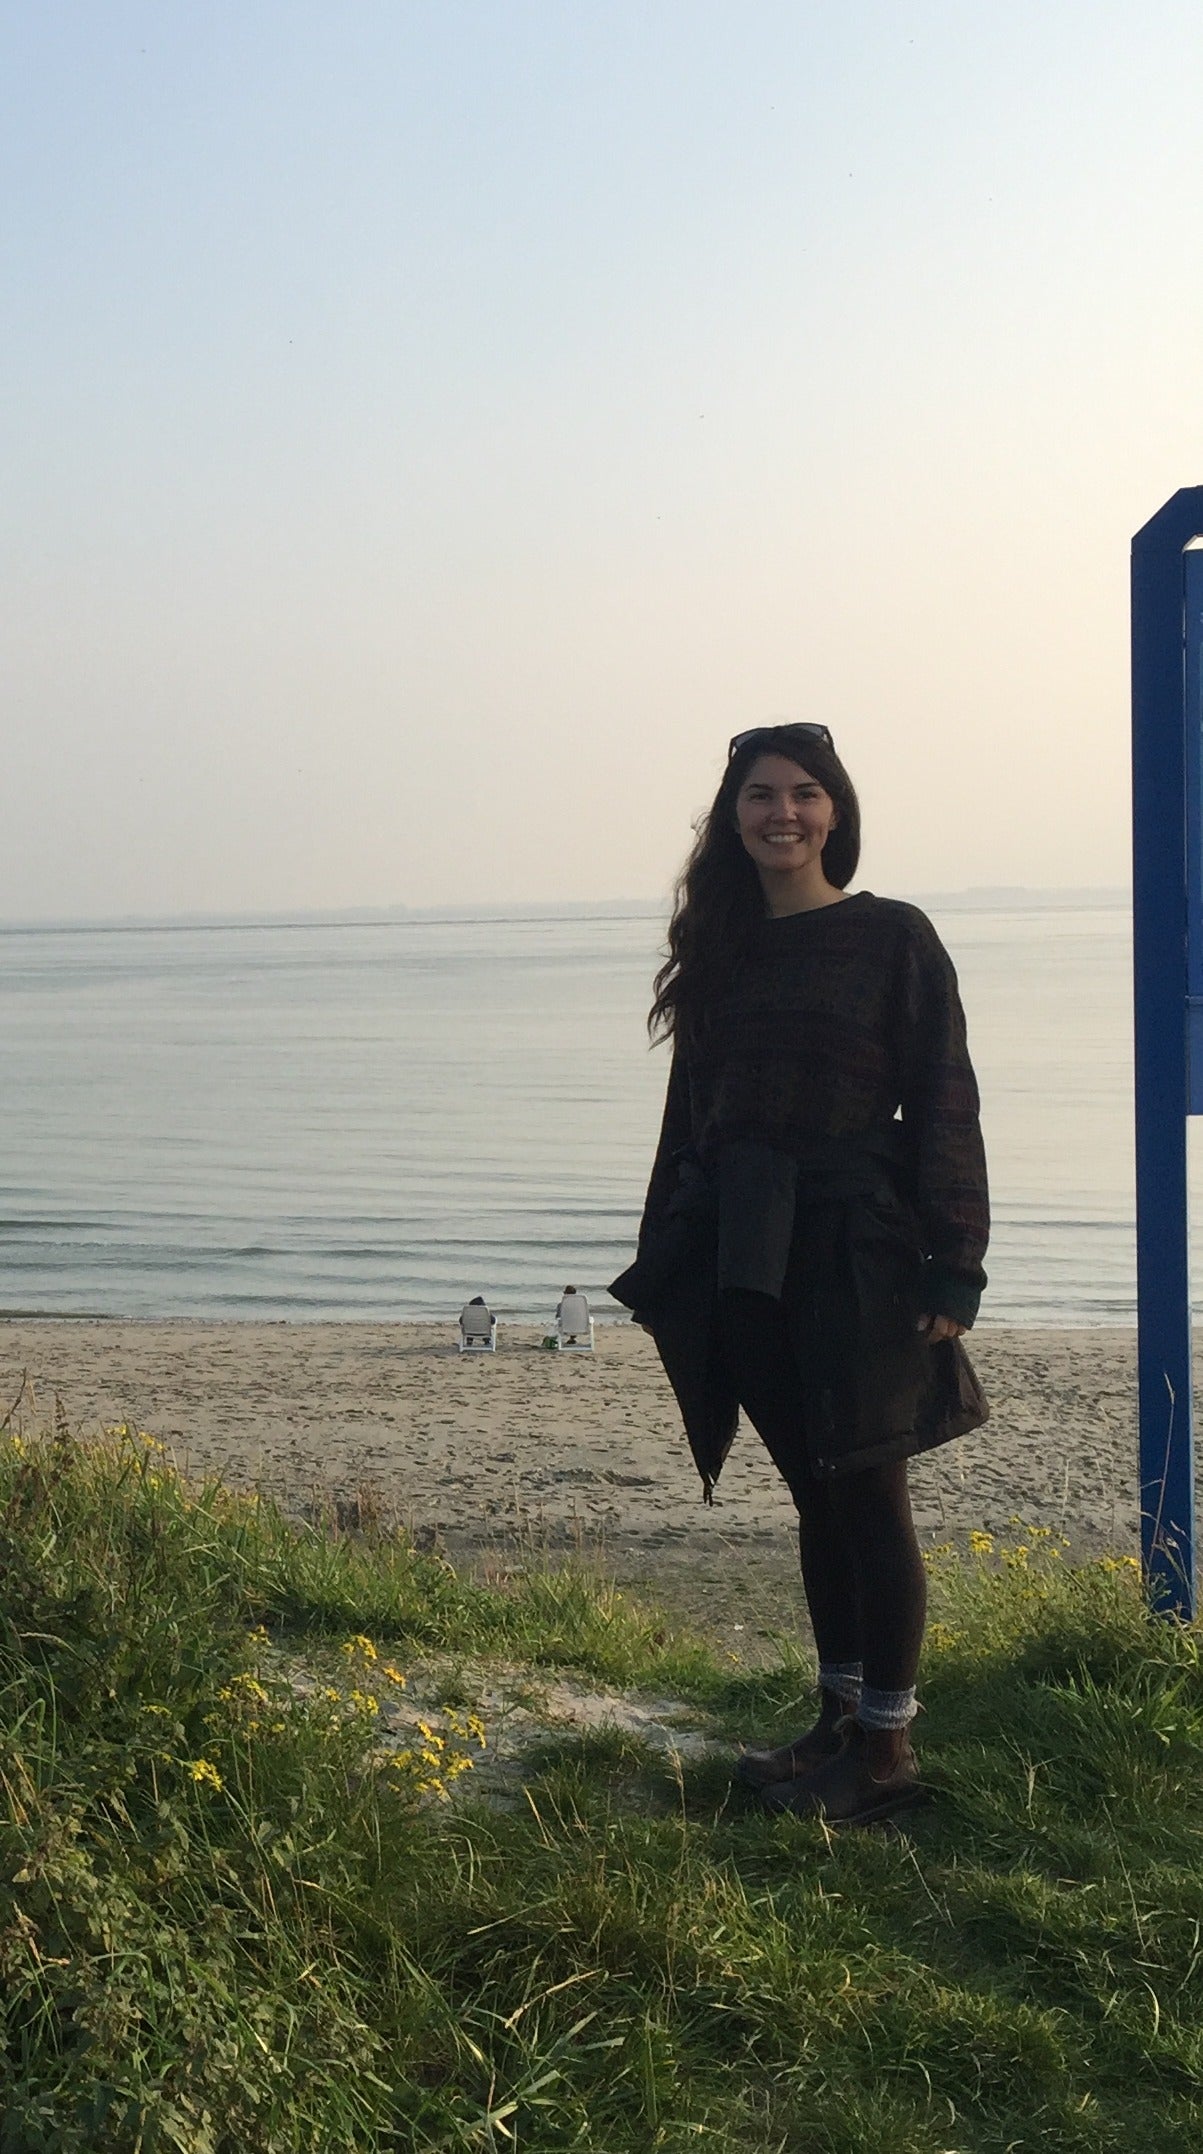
609, 1319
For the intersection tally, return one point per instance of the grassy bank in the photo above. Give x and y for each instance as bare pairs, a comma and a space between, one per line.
233, 1919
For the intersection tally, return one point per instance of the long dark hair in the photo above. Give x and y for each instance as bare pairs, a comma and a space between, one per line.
719, 900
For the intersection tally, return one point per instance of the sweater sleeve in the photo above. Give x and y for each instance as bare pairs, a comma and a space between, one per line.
676, 1129
940, 1107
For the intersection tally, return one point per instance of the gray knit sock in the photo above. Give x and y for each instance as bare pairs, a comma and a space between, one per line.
886, 1708
843, 1678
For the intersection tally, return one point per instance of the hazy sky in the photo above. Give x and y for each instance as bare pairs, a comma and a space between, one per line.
430, 428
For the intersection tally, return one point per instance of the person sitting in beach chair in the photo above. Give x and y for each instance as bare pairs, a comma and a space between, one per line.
574, 1325
477, 1327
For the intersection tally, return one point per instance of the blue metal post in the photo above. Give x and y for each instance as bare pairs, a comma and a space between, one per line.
1192, 573
1164, 858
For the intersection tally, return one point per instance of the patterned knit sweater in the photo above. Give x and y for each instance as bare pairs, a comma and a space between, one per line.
845, 1017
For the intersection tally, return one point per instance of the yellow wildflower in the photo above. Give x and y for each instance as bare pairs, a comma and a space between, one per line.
360, 1648
242, 1689
205, 1773
981, 1544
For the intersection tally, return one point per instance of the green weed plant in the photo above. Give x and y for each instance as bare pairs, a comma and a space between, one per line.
232, 1921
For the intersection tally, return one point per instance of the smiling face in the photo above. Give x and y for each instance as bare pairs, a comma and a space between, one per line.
784, 818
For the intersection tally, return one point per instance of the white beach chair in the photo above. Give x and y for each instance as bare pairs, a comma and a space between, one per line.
477, 1327
574, 1324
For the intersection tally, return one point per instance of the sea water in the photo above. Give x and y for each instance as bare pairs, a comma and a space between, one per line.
381, 1118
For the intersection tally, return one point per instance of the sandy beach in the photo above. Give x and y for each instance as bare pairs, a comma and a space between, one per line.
528, 1451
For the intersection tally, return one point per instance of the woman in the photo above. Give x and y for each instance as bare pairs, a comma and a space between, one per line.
812, 1241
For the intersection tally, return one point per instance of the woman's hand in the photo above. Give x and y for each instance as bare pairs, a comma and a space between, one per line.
941, 1327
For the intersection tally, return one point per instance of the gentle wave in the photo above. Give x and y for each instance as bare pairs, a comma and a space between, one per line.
379, 1119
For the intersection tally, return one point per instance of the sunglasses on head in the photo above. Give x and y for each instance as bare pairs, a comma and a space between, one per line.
766, 732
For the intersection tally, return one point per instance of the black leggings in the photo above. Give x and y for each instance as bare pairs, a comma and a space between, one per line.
862, 1570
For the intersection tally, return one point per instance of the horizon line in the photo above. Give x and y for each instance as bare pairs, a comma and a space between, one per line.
979, 894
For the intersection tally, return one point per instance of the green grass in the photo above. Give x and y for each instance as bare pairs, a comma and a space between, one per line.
229, 1925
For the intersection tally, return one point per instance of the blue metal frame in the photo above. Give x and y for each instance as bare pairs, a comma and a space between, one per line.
1167, 920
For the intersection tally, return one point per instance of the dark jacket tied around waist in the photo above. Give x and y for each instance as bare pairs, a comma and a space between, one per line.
821, 1146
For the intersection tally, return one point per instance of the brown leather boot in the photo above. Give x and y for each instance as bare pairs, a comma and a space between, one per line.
800, 1759
872, 1776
